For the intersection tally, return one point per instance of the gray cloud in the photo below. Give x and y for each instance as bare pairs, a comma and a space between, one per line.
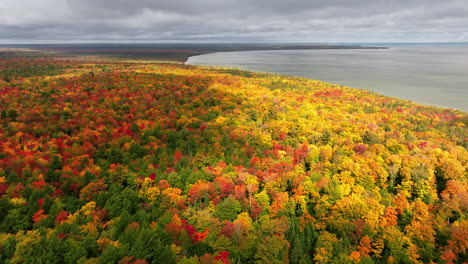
29, 21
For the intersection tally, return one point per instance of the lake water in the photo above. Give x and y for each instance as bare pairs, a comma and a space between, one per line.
435, 74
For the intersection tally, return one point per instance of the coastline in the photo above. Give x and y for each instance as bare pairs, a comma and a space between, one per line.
247, 71
386, 80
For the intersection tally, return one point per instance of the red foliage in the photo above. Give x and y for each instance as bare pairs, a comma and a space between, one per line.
177, 156
281, 167
62, 216
329, 93
254, 161
300, 154
169, 170
282, 135
422, 144
92, 189
40, 202
239, 191
100, 214
228, 229
360, 148
38, 216
174, 227
39, 184
448, 256
74, 187
225, 185
126, 260
255, 209
139, 261
223, 256
57, 192
199, 190
178, 225
193, 234
189, 228
3, 189
200, 236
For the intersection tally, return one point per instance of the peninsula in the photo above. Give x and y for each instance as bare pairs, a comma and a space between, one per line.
178, 52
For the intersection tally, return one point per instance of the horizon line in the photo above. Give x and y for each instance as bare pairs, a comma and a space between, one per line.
226, 42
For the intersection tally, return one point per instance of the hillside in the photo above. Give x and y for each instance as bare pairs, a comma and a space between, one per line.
130, 162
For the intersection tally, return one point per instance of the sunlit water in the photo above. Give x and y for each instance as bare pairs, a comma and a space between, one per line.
426, 74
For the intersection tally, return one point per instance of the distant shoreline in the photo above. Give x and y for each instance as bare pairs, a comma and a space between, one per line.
289, 47
177, 52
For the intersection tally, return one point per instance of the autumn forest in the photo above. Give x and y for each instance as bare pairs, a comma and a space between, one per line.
133, 162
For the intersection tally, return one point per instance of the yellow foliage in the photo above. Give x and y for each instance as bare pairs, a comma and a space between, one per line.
18, 200
149, 193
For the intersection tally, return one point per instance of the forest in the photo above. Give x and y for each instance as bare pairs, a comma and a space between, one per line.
132, 162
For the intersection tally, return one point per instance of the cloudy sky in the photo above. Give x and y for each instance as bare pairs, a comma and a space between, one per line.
312, 21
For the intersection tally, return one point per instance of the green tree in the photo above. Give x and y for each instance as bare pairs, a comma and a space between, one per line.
228, 209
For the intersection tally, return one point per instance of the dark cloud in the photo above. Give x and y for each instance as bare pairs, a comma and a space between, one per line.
24, 21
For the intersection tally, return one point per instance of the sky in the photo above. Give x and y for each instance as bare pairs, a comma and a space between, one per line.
285, 21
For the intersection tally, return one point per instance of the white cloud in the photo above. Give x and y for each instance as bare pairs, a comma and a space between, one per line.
242, 20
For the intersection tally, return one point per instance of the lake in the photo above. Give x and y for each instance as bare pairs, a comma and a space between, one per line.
430, 74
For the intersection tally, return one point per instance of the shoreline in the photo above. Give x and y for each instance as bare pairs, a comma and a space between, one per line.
454, 105
333, 84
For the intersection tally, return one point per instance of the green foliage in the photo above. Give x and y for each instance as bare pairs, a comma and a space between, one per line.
148, 245
36, 69
228, 209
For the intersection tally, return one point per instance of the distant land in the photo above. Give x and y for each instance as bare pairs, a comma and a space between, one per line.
178, 52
